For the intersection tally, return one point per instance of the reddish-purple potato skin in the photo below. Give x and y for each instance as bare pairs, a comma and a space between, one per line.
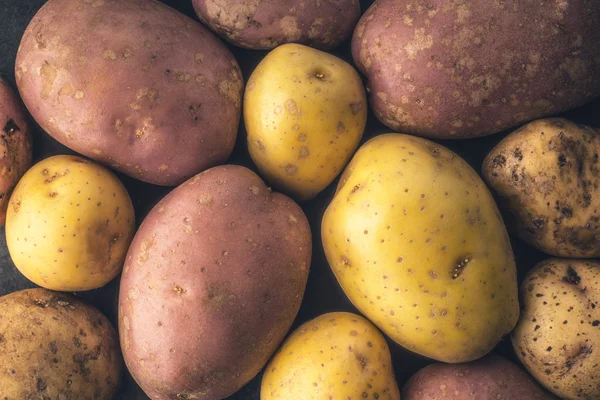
490, 378
463, 69
212, 283
15, 145
266, 24
132, 84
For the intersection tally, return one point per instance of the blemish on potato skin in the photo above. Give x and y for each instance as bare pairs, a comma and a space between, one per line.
109, 55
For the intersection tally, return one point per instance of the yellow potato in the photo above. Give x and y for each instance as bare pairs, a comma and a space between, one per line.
69, 224
305, 113
418, 245
336, 356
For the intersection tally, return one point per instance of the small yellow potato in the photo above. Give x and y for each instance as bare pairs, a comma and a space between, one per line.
335, 356
418, 245
305, 113
69, 224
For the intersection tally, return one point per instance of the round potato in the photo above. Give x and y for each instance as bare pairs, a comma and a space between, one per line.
418, 245
334, 356
305, 113
54, 346
265, 24
15, 145
212, 283
69, 224
546, 175
460, 69
132, 84
558, 335
491, 378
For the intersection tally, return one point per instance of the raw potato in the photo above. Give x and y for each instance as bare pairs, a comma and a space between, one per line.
212, 283
491, 378
69, 224
15, 145
558, 335
334, 356
54, 346
305, 113
461, 69
418, 245
265, 24
547, 176
132, 84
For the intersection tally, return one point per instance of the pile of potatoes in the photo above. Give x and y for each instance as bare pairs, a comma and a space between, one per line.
211, 281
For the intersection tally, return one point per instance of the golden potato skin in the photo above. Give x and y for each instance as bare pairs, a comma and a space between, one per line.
132, 84
212, 283
463, 69
546, 175
54, 346
335, 356
15, 145
266, 24
69, 224
557, 337
418, 245
490, 378
305, 113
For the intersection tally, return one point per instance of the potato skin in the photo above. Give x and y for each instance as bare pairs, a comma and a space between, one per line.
461, 69
305, 112
547, 175
490, 378
557, 337
69, 224
54, 346
132, 84
334, 356
418, 245
15, 145
212, 283
266, 24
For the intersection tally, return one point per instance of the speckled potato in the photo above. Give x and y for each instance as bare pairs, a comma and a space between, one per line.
132, 84
54, 346
491, 378
265, 24
305, 113
15, 145
334, 356
547, 176
558, 335
212, 283
69, 224
418, 245
461, 69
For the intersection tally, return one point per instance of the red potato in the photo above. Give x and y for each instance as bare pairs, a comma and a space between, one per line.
266, 24
462, 69
490, 378
132, 84
212, 282
15, 144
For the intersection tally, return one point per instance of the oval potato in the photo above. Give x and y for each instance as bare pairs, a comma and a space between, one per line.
461, 69
335, 356
69, 224
54, 346
213, 281
305, 112
490, 378
546, 176
15, 145
418, 245
266, 24
558, 335
132, 84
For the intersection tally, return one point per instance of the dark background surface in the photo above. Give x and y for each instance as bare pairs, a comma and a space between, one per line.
323, 294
